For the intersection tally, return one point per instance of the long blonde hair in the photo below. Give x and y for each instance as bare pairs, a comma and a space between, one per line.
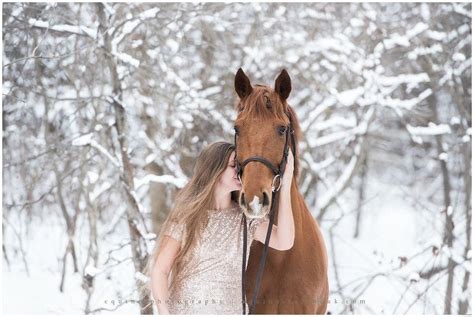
193, 202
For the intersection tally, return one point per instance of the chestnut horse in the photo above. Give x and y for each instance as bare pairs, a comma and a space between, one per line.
294, 281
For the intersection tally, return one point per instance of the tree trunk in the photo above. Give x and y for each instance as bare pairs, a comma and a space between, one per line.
448, 237
137, 241
463, 304
360, 202
158, 197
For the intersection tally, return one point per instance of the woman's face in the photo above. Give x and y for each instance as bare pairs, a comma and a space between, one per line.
228, 179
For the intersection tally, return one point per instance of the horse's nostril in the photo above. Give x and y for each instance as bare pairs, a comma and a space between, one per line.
242, 199
266, 200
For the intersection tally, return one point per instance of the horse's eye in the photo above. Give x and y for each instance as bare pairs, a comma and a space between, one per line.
282, 130
236, 129
268, 103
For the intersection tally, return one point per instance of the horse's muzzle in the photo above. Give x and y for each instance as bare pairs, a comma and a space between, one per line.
257, 208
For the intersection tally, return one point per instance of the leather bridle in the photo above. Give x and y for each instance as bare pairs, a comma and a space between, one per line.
278, 172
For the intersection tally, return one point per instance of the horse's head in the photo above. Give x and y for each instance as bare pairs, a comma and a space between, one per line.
261, 130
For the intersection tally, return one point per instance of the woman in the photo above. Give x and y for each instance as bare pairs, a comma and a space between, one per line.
201, 241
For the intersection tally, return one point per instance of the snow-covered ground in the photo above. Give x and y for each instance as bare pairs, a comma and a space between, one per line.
390, 228
381, 266
36, 290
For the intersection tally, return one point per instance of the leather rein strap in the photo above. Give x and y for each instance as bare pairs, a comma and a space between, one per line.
278, 172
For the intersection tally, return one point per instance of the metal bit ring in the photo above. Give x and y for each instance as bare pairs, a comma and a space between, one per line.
279, 183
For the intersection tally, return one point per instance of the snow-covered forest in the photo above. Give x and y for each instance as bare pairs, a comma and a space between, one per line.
106, 106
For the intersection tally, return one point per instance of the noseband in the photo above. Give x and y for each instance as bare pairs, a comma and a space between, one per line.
278, 172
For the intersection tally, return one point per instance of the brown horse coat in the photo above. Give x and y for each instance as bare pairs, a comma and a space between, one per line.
294, 281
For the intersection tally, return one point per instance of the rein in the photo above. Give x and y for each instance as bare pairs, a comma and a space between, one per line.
278, 172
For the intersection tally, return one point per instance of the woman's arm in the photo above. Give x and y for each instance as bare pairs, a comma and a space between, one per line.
283, 235
160, 272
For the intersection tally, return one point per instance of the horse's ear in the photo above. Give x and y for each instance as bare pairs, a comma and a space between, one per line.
242, 84
283, 84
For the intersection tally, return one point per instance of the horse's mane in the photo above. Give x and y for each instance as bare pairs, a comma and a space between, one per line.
254, 106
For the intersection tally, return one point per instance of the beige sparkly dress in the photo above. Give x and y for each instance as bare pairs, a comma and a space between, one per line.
212, 281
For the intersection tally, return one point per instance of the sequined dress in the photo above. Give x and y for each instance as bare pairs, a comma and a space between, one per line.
211, 282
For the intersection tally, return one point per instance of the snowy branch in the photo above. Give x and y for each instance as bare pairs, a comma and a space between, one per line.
87, 140
64, 28
164, 179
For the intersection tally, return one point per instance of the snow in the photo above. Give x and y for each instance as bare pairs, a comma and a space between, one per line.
97, 191
141, 277
407, 103
280, 11
83, 140
173, 45
41, 286
390, 221
336, 122
340, 183
318, 167
455, 120
164, 179
458, 8
459, 57
443, 157
466, 295
414, 277
153, 53
433, 129
417, 29
436, 35
356, 22
210, 91
412, 79
81, 30
320, 109
91, 271
149, 236
330, 138
326, 44
87, 139
128, 27
463, 67
326, 64
92, 176
349, 97
137, 43
395, 40
425, 11
43, 295
127, 59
